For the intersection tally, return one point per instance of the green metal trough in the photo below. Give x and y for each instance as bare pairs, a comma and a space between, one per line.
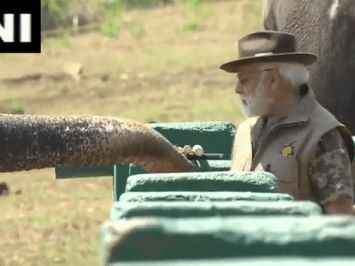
213, 216
202, 196
263, 261
215, 137
221, 237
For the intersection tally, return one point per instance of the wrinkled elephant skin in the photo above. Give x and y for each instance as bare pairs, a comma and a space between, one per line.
326, 28
33, 142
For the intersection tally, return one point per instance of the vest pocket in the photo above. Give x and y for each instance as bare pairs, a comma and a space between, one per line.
286, 171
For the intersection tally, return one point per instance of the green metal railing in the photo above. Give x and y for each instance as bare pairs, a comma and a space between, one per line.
213, 216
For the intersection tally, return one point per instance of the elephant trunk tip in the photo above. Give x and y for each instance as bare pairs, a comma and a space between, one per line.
175, 164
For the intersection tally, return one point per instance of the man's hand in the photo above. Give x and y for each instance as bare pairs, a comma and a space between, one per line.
340, 206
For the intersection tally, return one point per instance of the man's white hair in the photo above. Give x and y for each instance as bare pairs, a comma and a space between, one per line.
260, 102
296, 74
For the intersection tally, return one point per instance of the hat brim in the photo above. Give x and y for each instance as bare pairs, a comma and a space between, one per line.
302, 58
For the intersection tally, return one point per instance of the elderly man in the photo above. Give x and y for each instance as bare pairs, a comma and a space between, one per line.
288, 133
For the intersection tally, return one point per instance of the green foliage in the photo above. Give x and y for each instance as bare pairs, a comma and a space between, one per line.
55, 8
17, 109
146, 3
59, 13
196, 15
192, 25
194, 5
111, 24
11, 107
110, 27
114, 8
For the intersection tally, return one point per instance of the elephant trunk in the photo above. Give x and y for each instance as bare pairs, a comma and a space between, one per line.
34, 142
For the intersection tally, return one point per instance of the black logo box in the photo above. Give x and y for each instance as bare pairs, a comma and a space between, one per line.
18, 7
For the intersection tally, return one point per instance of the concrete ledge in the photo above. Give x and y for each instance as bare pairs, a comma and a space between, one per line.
200, 165
202, 196
245, 237
180, 209
212, 165
204, 181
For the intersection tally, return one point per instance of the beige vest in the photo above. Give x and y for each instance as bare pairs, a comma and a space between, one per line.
286, 149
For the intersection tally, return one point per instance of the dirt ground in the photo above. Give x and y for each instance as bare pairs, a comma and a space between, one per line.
163, 66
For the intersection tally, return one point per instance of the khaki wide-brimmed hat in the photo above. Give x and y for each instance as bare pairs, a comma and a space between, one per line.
268, 46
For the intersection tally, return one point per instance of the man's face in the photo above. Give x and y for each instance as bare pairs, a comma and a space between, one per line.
254, 90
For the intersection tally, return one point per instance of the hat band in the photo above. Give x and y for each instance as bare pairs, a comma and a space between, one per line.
263, 54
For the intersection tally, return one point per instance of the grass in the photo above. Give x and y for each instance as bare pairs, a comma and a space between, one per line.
52, 222
149, 71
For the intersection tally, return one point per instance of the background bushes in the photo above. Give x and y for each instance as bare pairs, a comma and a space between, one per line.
60, 13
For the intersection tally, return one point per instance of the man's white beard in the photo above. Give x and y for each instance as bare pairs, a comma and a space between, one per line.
257, 104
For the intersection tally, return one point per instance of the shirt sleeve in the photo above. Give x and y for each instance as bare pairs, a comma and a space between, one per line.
330, 169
